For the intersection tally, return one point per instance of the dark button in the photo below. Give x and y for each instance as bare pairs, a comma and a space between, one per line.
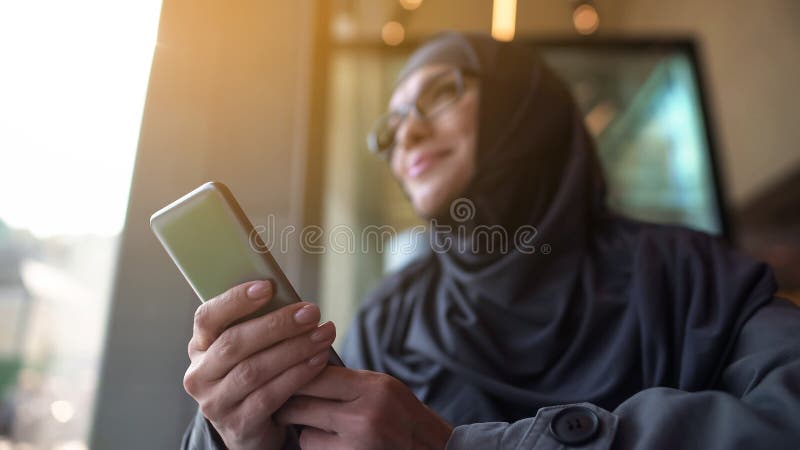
574, 425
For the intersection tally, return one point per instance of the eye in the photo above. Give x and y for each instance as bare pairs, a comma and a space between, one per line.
444, 91
438, 96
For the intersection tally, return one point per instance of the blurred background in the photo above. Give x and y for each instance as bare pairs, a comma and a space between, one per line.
111, 110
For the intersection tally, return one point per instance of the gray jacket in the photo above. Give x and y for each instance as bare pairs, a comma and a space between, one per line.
755, 406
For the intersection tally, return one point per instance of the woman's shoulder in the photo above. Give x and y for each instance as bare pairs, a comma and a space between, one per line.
671, 242
691, 257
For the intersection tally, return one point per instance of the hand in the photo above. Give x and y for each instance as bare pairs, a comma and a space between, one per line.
241, 375
355, 409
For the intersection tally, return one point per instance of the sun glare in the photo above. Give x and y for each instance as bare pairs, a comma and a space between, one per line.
72, 88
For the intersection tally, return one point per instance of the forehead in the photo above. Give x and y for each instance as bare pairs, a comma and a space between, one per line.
407, 90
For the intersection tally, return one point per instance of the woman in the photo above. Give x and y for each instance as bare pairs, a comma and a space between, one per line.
621, 335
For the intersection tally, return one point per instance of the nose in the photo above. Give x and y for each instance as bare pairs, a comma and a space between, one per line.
412, 130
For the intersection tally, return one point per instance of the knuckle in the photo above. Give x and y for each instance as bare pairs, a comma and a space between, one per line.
210, 408
201, 316
229, 296
265, 401
234, 294
246, 373
196, 345
275, 322
226, 344
190, 382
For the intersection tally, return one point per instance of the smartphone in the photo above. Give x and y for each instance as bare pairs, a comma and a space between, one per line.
215, 247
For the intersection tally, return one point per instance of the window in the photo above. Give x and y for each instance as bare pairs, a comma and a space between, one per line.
73, 87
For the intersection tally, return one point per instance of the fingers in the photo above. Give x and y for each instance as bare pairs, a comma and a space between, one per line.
314, 439
260, 368
245, 339
260, 404
213, 316
314, 412
336, 383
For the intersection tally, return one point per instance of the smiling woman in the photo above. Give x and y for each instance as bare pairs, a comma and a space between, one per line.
73, 87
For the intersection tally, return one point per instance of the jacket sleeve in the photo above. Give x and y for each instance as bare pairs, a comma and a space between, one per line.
201, 435
756, 405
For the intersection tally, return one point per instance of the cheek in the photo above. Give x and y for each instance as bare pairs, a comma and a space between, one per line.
463, 136
396, 166
463, 167
462, 127
469, 122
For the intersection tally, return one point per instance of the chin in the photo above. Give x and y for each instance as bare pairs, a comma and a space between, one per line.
424, 211
431, 196
428, 205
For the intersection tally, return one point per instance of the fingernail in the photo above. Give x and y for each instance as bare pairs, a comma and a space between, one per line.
322, 334
319, 359
259, 290
306, 314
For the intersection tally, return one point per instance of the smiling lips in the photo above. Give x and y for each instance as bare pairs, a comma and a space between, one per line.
422, 161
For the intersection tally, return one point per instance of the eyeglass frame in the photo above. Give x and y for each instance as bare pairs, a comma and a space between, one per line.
404, 110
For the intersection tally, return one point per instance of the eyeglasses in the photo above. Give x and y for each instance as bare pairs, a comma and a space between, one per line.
437, 96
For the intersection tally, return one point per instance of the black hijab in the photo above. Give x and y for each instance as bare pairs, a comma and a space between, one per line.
602, 308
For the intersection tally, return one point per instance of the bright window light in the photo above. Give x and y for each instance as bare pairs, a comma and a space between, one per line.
73, 79
72, 88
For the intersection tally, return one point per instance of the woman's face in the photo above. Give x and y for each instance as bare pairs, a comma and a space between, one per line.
434, 159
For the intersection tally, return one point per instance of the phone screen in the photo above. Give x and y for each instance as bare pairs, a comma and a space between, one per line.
215, 247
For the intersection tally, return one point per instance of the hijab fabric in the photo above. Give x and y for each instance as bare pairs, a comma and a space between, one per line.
601, 309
